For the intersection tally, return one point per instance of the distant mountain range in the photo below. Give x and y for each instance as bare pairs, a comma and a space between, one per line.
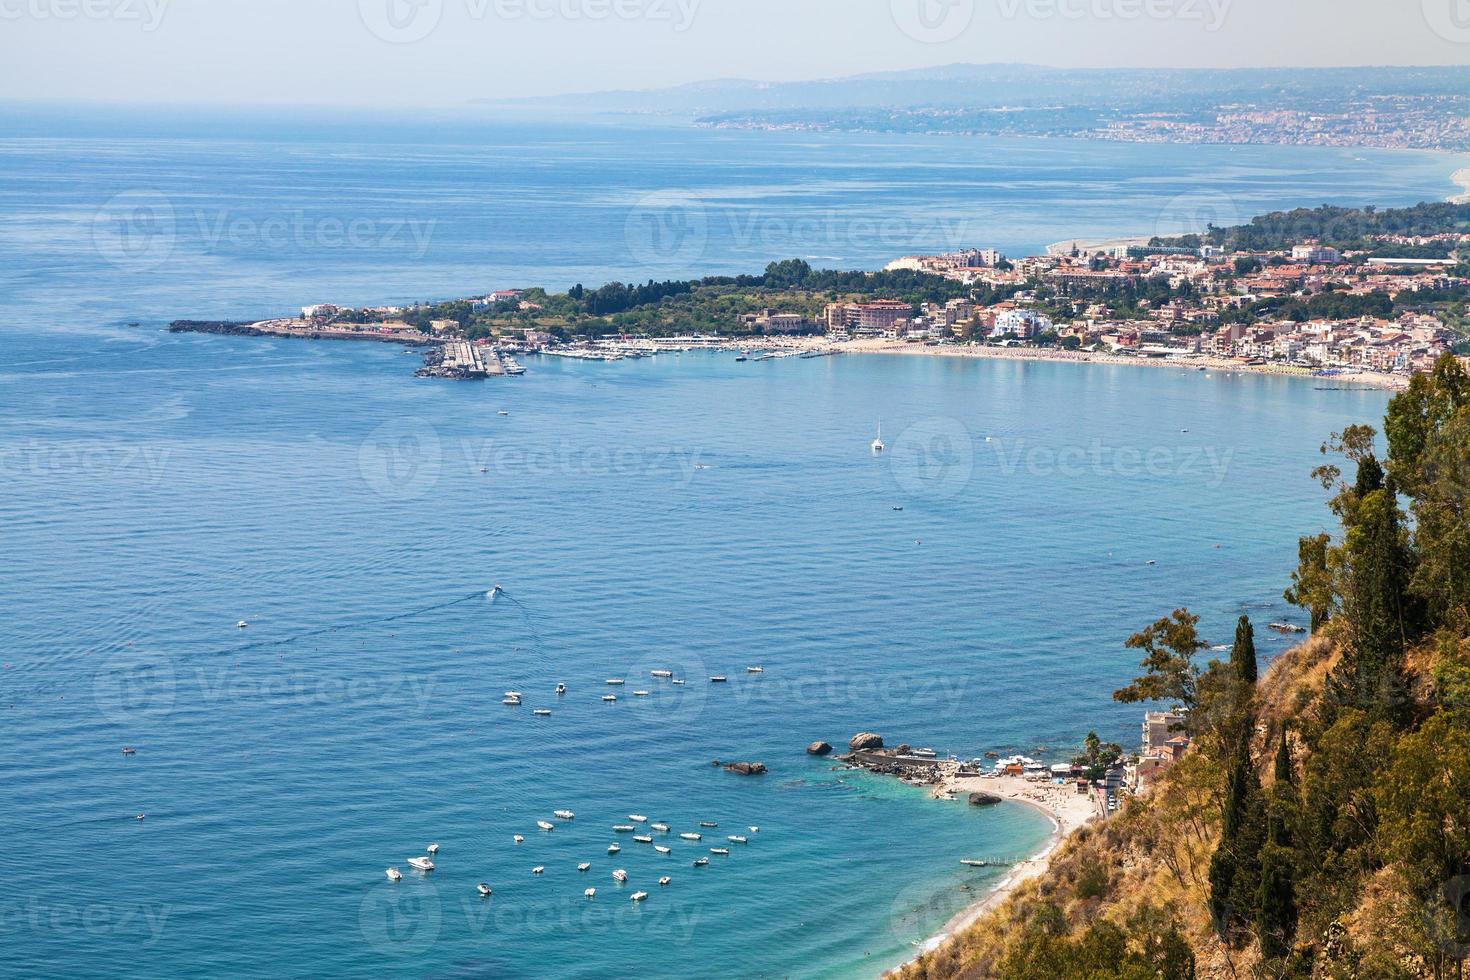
1019, 85
1400, 108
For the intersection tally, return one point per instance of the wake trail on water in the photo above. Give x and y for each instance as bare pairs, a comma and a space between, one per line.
499, 593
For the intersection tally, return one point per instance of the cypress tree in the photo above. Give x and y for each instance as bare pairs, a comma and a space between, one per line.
1243, 653
1276, 909
1234, 868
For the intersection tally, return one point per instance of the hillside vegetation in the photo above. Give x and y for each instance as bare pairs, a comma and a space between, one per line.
1320, 826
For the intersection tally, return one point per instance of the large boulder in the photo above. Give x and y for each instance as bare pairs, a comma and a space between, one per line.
819, 748
864, 741
984, 799
745, 768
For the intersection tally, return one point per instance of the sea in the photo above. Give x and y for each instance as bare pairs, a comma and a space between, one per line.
404, 552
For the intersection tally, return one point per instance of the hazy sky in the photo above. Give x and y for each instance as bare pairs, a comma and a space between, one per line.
440, 53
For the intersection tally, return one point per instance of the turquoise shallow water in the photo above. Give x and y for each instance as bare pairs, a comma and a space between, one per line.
159, 488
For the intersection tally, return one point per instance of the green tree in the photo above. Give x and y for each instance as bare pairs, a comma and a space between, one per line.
1243, 652
1235, 866
1276, 911
1381, 564
1425, 803
1311, 583
1169, 671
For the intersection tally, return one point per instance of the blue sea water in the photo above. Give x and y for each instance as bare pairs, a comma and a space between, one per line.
682, 512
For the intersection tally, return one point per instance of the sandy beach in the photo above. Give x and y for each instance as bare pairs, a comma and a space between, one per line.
1462, 178
1067, 809
1208, 364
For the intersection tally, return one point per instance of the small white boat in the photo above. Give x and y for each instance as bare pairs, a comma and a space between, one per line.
662, 850
512, 702
394, 874
421, 864
640, 694
680, 682
736, 839
590, 893
641, 839
754, 830
584, 867
717, 679
691, 836
561, 689
878, 446
538, 869
623, 828
545, 825
241, 625
514, 694
613, 848
483, 889
502, 413
542, 713
719, 850
755, 670
518, 839
638, 896
637, 818
432, 849
620, 875
708, 823
662, 828
563, 814
665, 880
974, 864
701, 862
661, 673
609, 697
616, 682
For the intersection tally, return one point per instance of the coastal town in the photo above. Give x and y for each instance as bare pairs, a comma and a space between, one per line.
1375, 313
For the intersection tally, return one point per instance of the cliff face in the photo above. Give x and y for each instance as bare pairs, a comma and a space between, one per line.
1130, 898
1319, 827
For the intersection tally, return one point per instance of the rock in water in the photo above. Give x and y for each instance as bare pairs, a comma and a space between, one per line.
819, 748
984, 799
745, 768
864, 741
